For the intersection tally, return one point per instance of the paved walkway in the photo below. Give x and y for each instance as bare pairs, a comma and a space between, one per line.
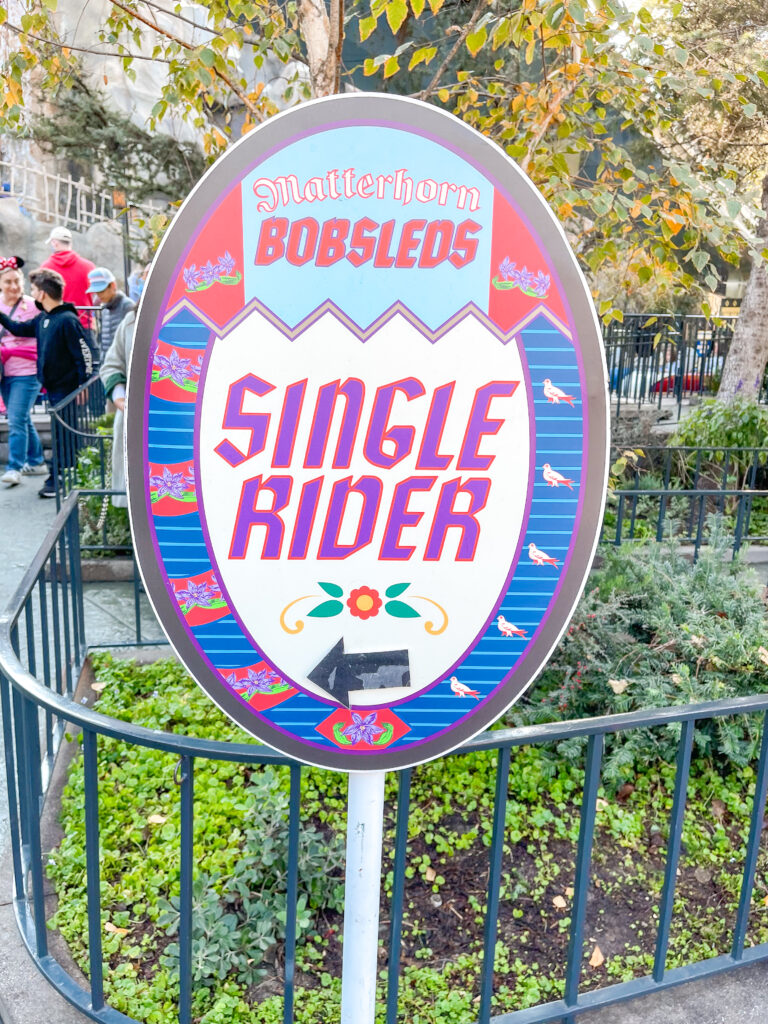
740, 997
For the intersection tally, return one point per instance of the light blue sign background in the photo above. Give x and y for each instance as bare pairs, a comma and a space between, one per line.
364, 292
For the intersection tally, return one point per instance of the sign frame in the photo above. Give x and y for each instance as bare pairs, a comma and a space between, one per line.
407, 115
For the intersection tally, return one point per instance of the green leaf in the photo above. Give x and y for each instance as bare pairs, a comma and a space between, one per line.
576, 11
476, 41
699, 259
369, 68
332, 588
401, 610
397, 12
426, 53
208, 57
396, 589
681, 55
367, 25
391, 67
326, 610
417, 6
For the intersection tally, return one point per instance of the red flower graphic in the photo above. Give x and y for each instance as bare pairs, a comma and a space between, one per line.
364, 603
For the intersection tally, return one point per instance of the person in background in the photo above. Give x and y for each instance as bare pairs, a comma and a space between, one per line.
114, 375
136, 283
115, 304
19, 385
73, 268
63, 353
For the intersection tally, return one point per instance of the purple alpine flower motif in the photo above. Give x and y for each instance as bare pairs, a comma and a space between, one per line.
190, 477
256, 682
201, 594
173, 366
524, 279
506, 267
197, 368
190, 277
362, 730
541, 284
169, 483
209, 273
226, 264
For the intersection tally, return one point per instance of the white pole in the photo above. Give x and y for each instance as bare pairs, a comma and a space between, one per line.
365, 823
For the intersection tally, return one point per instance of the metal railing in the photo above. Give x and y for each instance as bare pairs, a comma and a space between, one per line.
677, 489
43, 646
60, 198
653, 358
73, 429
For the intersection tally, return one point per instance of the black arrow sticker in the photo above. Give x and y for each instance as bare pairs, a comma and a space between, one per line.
338, 673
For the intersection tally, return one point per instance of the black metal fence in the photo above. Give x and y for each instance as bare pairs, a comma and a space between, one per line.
682, 491
666, 489
656, 357
43, 644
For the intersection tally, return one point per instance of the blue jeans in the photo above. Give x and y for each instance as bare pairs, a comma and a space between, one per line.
19, 394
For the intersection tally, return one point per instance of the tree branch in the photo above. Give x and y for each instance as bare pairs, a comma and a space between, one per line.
541, 131
249, 106
57, 44
180, 17
467, 30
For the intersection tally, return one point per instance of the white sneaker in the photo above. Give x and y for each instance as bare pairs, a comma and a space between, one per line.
11, 477
40, 470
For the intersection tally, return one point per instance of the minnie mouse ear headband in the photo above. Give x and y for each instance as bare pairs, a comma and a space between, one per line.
11, 263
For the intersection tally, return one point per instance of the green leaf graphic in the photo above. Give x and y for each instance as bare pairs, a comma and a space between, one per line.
326, 610
401, 610
332, 588
396, 589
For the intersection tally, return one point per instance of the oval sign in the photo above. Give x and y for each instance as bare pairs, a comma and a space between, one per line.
367, 476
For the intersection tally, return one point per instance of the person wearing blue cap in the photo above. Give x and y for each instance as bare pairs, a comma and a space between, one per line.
114, 303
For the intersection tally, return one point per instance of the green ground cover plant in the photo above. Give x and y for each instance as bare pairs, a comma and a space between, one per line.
672, 631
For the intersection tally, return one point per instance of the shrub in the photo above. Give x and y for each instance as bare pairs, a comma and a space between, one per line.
655, 629
738, 424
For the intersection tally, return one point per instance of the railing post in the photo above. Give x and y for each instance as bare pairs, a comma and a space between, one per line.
31, 735
583, 866
753, 847
92, 869
185, 888
11, 776
673, 848
494, 881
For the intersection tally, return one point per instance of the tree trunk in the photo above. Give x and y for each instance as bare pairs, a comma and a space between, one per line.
323, 39
748, 354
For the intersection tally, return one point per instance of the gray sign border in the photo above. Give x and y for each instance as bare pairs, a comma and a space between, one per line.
277, 131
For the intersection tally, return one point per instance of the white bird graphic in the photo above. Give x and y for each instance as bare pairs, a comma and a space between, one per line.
554, 394
463, 691
539, 557
507, 629
555, 479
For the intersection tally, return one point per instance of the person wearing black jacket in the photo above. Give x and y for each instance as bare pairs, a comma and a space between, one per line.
64, 359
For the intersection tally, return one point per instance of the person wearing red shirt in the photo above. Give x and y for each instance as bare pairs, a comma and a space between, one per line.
73, 268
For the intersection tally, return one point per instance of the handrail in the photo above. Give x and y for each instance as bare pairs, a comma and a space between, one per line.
29, 709
176, 743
